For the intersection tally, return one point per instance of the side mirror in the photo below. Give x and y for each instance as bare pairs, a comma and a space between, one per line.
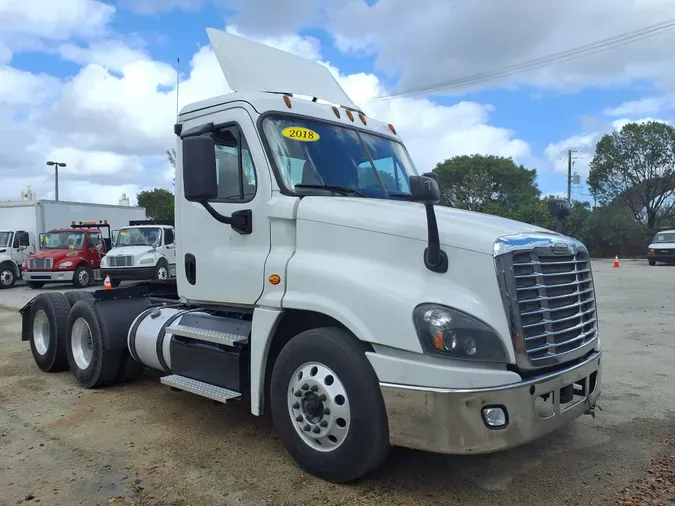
425, 189
559, 208
199, 169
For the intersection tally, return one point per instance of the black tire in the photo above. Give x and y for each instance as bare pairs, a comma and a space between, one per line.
77, 295
36, 285
367, 441
652, 262
114, 283
104, 363
162, 264
129, 370
55, 308
79, 273
7, 276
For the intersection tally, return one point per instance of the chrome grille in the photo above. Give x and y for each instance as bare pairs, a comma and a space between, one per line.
121, 261
40, 263
549, 294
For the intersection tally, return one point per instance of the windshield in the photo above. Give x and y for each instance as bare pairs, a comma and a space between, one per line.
665, 237
139, 236
309, 152
5, 237
63, 240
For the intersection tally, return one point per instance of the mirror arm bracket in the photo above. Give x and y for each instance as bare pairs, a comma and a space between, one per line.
435, 259
240, 221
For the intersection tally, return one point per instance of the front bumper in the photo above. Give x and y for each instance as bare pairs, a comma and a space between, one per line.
662, 257
48, 276
451, 421
130, 273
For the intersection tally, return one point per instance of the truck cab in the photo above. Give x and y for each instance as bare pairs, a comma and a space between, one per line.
15, 246
143, 250
662, 248
317, 278
68, 255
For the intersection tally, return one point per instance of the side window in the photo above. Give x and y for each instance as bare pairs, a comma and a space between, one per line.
24, 238
94, 239
168, 236
235, 173
15, 244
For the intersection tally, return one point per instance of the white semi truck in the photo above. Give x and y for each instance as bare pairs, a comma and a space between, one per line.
317, 279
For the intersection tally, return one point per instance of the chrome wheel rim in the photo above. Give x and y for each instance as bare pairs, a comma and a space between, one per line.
319, 407
162, 273
6, 277
41, 332
81, 343
83, 277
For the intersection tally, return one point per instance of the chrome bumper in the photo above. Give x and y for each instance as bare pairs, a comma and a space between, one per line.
451, 421
47, 276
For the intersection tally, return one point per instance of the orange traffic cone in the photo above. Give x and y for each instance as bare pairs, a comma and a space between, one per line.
106, 284
616, 262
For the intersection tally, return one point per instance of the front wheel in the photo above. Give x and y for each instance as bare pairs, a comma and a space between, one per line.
82, 277
652, 262
7, 277
36, 285
162, 270
327, 405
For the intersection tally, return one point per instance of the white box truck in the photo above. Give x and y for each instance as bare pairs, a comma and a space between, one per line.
317, 279
24, 223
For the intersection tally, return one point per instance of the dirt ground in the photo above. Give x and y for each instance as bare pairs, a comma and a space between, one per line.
144, 444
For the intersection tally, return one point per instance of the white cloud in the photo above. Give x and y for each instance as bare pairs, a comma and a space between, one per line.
648, 105
112, 121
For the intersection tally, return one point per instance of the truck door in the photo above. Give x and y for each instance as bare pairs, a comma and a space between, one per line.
20, 246
95, 249
169, 249
218, 263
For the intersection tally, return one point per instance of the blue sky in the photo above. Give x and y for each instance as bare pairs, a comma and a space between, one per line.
79, 72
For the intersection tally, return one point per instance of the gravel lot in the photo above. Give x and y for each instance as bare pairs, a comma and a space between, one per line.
143, 444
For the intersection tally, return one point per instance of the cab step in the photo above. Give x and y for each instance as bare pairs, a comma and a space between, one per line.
219, 394
212, 336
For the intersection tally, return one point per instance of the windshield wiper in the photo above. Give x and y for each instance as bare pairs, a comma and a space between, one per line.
345, 190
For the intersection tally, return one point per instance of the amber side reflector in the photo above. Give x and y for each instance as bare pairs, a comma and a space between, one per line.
287, 99
350, 115
363, 118
391, 127
275, 279
337, 112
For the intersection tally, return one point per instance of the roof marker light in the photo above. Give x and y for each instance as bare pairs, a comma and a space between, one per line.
287, 99
337, 112
350, 115
363, 118
391, 127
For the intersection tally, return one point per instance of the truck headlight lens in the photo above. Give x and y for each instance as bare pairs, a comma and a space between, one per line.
65, 265
146, 261
450, 333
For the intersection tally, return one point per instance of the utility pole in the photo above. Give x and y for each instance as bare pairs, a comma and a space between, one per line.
56, 166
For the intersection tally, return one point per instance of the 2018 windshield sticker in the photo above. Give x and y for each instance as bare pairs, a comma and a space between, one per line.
302, 134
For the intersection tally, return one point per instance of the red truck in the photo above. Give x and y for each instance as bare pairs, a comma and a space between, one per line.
68, 255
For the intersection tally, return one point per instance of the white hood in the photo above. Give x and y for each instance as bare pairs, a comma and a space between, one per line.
457, 228
130, 251
662, 245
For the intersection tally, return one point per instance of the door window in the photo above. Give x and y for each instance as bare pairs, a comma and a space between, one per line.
168, 236
94, 239
235, 173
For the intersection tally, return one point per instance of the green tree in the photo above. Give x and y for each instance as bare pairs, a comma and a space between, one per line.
171, 156
634, 168
490, 184
158, 203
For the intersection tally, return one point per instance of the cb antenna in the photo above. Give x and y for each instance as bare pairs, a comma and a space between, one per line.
177, 82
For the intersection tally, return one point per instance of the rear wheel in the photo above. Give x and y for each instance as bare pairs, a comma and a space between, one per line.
327, 405
35, 285
47, 329
7, 276
92, 363
77, 295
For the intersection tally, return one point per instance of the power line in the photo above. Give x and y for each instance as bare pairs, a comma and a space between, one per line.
560, 57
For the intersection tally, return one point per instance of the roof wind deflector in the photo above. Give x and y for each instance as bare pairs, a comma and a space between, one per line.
281, 71
198, 130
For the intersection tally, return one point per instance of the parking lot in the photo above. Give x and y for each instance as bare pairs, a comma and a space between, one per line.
144, 444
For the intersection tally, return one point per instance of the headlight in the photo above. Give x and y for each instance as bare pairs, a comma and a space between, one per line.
449, 333
146, 261
65, 265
